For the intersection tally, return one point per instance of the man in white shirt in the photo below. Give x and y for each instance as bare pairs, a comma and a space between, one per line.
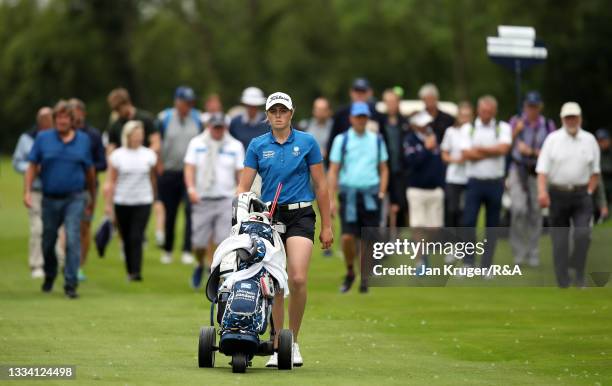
568, 172
213, 163
485, 145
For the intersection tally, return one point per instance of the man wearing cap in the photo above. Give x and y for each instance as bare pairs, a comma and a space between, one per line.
568, 172
178, 125
358, 172
360, 92
213, 162
425, 182
251, 123
529, 131
485, 144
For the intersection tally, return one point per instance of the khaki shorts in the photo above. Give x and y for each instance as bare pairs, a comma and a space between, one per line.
426, 207
210, 218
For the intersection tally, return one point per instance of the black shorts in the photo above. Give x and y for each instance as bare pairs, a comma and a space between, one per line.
298, 222
365, 218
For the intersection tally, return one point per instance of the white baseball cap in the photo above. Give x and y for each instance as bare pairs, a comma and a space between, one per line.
279, 98
569, 109
421, 119
253, 96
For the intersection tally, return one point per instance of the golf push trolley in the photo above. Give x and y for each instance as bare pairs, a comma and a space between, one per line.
248, 268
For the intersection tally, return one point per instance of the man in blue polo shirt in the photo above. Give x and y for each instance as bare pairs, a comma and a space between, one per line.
359, 158
62, 157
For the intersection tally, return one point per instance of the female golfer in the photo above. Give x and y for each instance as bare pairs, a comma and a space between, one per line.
290, 157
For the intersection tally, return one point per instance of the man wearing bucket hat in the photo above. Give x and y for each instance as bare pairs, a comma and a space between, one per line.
568, 172
250, 124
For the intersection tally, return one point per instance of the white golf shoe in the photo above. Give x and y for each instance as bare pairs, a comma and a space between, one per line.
273, 361
297, 357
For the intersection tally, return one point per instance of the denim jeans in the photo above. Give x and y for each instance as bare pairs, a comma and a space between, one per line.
55, 212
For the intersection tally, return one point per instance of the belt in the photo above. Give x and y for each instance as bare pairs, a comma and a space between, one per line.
294, 206
569, 188
60, 196
498, 179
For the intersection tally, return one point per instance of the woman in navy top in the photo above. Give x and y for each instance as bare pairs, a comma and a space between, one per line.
291, 157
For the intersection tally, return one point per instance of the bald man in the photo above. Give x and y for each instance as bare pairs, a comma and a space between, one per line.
44, 121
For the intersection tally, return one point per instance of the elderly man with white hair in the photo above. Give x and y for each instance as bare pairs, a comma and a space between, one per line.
568, 172
430, 96
485, 144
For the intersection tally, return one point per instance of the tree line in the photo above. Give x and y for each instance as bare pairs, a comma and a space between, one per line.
51, 49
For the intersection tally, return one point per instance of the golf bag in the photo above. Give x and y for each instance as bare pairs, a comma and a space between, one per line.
248, 268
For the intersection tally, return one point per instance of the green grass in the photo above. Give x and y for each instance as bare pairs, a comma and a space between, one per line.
147, 333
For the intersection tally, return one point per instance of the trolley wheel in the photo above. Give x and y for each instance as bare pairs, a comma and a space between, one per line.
239, 362
206, 347
285, 350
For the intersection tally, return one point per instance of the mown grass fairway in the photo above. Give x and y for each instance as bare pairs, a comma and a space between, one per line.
146, 333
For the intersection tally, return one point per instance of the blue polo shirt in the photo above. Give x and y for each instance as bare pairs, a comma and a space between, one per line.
287, 163
361, 160
62, 165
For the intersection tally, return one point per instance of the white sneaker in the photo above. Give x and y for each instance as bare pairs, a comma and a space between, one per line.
160, 238
273, 361
166, 258
297, 357
187, 258
38, 273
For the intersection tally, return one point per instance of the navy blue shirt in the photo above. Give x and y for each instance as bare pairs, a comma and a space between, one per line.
97, 147
245, 131
63, 166
426, 169
288, 163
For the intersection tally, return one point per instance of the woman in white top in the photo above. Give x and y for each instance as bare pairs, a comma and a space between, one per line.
131, 184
